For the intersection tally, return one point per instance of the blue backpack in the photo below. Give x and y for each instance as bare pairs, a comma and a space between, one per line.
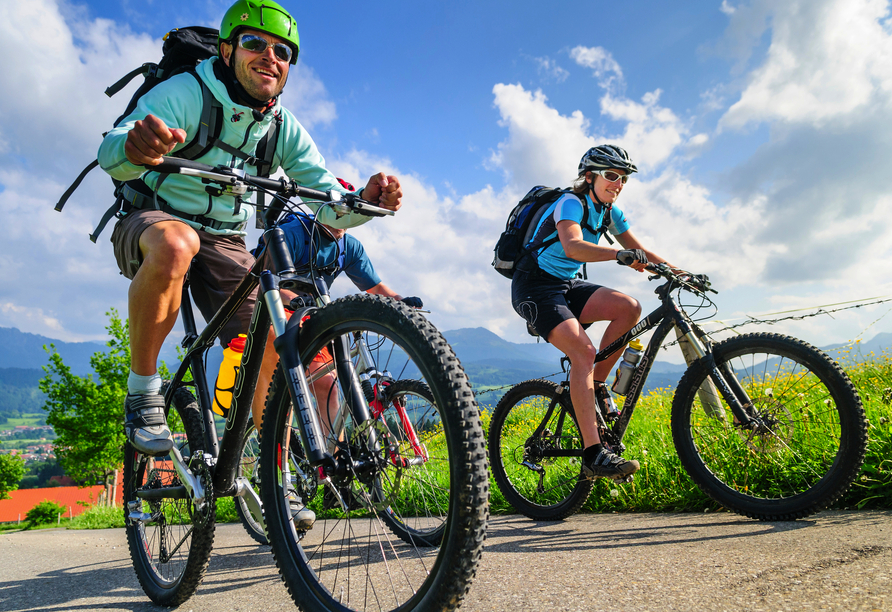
522, 223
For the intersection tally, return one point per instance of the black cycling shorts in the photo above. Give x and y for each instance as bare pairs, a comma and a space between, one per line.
546, 301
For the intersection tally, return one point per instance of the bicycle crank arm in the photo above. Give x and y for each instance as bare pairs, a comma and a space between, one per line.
177, 492
189, 480
247, 492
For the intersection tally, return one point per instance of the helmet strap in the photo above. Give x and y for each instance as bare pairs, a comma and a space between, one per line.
601, 205
591, 188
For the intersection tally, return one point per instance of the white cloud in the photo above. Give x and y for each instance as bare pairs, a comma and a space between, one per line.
652, 132
827, 59
726, 8
551, 69
52, 116
305, 96
601, 62
543, 146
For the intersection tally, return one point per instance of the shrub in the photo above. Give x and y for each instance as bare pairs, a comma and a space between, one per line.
45, 512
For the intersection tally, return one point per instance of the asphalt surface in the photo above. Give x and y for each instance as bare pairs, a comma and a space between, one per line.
632, 562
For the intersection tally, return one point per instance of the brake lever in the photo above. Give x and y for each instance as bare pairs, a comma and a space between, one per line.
349, 202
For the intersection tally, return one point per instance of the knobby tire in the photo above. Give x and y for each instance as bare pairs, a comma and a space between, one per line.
807, 453
376, 556
515, 418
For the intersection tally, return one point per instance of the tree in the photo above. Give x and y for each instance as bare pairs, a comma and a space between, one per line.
87, 415
12, 470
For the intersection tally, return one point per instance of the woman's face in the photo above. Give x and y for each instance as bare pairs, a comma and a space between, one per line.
606, 191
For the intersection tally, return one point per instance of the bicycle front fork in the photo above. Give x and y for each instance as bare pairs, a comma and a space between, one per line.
724, 379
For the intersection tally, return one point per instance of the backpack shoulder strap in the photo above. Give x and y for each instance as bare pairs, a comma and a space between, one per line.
210, 124
61, 203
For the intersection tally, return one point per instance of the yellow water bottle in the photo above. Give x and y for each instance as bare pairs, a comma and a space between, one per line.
223, 388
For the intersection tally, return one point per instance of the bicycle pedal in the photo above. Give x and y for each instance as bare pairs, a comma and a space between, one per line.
623, 479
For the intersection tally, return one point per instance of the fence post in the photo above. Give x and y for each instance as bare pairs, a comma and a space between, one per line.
59, 519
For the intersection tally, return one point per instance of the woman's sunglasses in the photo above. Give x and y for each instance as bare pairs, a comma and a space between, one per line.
612, 176
258, 44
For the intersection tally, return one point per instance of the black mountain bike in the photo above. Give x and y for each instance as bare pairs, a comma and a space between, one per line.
766, 425
403, 532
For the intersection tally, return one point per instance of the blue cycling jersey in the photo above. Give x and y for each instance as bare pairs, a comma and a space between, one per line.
552, 259
353, 260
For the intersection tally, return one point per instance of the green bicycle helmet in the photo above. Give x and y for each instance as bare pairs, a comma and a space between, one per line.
264, 15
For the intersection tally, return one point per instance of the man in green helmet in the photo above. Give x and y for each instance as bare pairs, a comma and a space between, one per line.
258, 43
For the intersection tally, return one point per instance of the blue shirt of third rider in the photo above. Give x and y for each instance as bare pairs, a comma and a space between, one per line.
353, 261
552, 259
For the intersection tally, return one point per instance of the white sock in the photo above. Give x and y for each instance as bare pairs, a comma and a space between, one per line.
143, 385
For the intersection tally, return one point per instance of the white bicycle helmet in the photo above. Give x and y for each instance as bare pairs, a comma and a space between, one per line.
605, 157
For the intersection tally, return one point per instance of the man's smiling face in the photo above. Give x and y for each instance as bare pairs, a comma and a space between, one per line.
261, 74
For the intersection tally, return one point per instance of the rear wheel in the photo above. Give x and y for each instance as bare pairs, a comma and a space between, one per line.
806, 445
415, 480
394, 548
528, 469
169, 537
249, 467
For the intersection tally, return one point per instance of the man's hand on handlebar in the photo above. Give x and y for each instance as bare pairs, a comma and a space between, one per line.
149, 140
384, 191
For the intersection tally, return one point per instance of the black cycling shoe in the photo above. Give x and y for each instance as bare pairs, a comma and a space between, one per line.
144, 424
609, 465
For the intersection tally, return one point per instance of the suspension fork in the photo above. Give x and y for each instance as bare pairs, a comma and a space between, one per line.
723, 378
377, 406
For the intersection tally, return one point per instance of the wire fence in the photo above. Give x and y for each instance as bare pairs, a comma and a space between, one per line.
764, 319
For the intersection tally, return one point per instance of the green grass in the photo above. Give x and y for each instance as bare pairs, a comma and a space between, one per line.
661, 484
30, 419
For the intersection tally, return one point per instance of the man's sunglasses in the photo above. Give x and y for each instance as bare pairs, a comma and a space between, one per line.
612, 176
258, 44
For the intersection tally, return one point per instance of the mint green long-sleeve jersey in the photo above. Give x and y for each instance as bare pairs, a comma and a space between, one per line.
178, 103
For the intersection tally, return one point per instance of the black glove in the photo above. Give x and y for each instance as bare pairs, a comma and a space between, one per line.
629, 256
414, 302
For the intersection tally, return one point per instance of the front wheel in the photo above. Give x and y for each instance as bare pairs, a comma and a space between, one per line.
807, 441
397, 527
540, 474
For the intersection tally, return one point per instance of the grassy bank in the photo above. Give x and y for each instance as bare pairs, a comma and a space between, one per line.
663, 485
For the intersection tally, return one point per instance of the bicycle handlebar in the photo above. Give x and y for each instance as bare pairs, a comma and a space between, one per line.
698, 283
237, 182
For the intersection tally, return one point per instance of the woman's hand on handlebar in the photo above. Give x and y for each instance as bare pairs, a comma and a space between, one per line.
150, 140
384, 191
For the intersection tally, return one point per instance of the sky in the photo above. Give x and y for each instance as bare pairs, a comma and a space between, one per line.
759, 128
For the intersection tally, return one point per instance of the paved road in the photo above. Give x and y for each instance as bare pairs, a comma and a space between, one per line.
833, 561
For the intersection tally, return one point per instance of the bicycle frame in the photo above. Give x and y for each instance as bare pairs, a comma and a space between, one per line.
668, 315
223, 458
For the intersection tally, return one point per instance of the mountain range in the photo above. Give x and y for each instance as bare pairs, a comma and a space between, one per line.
489, 360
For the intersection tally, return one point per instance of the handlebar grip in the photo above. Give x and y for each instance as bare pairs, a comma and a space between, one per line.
172, 165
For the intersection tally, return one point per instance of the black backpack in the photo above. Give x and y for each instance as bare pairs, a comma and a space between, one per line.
183, 50
522, 223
